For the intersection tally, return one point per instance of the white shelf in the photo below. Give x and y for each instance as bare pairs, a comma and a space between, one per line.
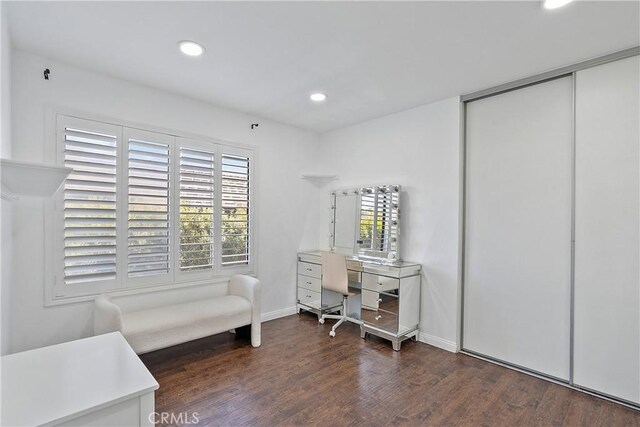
30, 179
319, 179
319, 176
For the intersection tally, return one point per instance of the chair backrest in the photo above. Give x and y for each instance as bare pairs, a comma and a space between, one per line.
334, 273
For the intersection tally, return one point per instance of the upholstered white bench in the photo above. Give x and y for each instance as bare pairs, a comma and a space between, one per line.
160, 327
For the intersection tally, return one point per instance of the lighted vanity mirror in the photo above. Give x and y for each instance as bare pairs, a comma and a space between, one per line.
366, 221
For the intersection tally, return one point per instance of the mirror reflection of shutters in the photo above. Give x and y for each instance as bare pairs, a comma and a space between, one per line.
367, 218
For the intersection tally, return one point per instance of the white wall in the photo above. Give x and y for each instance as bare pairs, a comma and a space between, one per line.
283, 152
5, 207
419, 149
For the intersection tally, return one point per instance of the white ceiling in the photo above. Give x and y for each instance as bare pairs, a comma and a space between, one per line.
371, 59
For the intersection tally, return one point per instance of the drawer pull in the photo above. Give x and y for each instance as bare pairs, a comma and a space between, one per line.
308, 283
308, 296
378, 317
309, 269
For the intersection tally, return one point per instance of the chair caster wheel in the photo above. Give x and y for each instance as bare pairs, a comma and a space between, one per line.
321, 321
332, 333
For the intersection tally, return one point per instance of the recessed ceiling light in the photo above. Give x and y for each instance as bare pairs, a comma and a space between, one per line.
191, 48
554, 4
318, 97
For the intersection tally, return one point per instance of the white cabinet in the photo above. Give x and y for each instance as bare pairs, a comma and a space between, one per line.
97, 381
607, 268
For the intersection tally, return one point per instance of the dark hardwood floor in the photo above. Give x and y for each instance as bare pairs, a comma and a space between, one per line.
301, 376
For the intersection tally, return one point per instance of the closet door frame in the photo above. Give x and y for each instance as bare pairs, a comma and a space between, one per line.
563, 72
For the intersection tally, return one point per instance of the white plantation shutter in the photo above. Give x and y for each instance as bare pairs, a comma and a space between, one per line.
148, 231
197, 203
144, 208
235, 210
91, 150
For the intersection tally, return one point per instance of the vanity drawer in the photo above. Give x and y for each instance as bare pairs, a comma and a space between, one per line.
377, 283
311, 270
381, 319
309, 298
354, 265
379, 301
354, 276
311, 283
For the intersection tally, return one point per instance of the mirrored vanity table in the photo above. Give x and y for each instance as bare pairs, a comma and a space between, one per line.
365, 226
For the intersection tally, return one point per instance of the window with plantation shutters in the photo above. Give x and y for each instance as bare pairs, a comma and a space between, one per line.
90, 199
146, 209
235, 210
148, 231
196, 209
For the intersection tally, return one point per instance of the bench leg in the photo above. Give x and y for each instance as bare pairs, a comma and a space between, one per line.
244, 332
247, 332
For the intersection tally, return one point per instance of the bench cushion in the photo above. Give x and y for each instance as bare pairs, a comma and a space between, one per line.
155, 328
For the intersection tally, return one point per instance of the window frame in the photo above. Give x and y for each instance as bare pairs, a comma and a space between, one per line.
59, 228
57, 292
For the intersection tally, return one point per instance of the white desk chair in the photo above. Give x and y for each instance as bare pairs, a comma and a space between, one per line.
336, 279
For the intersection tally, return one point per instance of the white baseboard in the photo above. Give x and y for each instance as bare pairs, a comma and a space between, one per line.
438, 342
265, 317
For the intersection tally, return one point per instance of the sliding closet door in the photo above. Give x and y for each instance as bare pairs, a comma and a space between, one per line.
517, 284
607, 298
